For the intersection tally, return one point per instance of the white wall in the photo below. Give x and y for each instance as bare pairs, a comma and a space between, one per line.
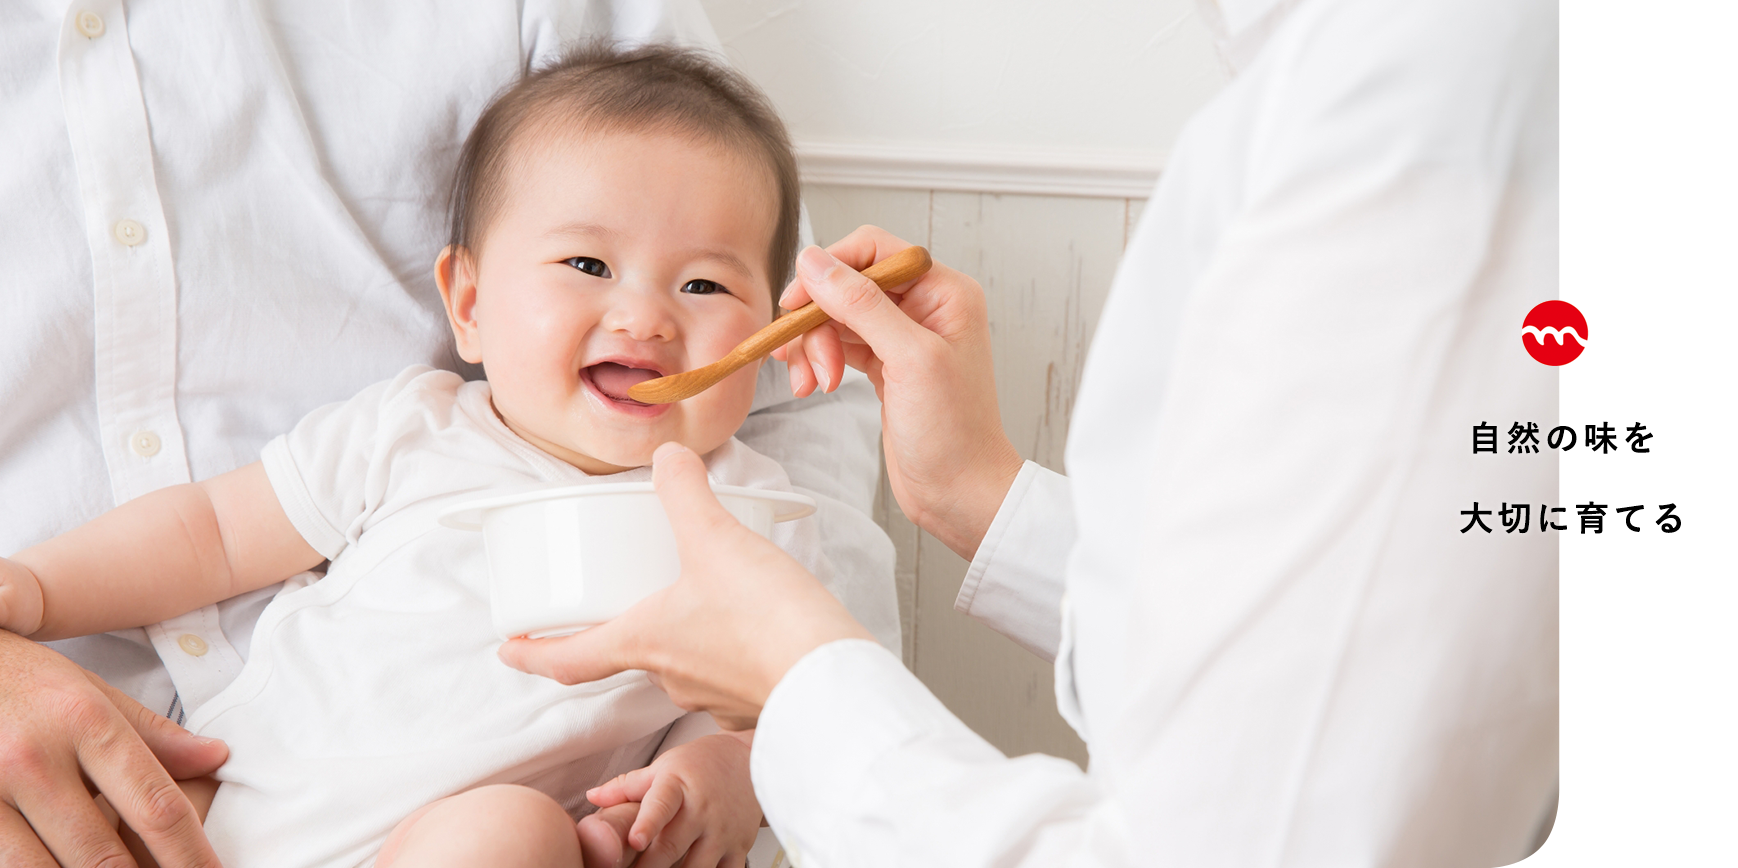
1076, 83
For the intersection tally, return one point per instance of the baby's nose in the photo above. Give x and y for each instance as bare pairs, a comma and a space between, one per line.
642, 318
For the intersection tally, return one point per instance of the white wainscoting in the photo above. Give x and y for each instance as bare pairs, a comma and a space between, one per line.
1046, 263
1079, 172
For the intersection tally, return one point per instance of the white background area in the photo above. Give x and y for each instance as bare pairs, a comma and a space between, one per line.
1078, 76
1650, 621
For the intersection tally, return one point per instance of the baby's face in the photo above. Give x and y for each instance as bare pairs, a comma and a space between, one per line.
616, 258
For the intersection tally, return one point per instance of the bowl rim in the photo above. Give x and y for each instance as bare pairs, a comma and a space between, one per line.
468, 514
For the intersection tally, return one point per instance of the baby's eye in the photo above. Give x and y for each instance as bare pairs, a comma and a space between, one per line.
704, 287
593, 267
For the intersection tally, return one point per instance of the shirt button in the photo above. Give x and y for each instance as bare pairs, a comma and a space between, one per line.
89, 23
145, 443
130, 232
193, 644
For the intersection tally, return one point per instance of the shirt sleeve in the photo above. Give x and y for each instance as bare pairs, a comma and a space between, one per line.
328, 470
1014, 585
857, 763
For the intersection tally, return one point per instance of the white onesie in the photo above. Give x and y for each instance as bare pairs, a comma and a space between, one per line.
375, 690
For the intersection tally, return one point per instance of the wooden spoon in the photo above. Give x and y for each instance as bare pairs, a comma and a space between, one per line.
908, 264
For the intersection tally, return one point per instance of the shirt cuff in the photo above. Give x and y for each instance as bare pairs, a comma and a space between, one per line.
1015, 582
844, 712
298, 504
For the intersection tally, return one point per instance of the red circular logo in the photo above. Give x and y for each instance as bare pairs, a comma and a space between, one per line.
1554, 333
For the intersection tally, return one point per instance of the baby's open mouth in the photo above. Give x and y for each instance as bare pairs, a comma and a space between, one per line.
614, 380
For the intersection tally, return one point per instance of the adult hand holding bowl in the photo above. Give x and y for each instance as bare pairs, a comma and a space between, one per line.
567, 558
718, 639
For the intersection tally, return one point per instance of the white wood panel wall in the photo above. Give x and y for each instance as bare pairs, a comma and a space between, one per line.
1046, 263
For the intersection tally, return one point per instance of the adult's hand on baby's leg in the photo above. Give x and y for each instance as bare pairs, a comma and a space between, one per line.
62, 730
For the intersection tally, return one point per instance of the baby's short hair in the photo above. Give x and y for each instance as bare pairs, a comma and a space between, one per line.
599, 86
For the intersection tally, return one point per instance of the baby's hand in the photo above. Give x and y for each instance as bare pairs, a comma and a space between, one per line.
695, 800
20, 599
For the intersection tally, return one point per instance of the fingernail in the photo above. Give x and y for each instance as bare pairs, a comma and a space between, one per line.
820, 375
207, 742
784, 295
667, 450
815, 263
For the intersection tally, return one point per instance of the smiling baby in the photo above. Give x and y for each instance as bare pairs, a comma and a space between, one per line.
617, 216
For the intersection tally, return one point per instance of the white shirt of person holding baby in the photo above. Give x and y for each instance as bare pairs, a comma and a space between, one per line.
617, 216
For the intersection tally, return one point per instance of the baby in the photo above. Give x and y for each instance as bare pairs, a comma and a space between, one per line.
618, 216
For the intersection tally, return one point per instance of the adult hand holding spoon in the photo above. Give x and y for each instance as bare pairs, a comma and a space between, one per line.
926, 348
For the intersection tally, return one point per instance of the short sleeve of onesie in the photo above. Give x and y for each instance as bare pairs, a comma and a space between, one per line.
331, 470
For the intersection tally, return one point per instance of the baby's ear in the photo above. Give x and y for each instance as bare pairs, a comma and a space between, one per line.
456, 275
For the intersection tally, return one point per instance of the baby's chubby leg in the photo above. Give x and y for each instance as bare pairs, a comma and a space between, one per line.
503, 824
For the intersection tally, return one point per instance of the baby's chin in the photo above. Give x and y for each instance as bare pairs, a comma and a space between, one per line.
702, 425
616, 455
603, 459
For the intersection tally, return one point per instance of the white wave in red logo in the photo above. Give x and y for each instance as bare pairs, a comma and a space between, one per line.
1559, 321
1540, 334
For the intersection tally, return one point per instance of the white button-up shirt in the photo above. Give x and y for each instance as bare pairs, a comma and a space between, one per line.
1268, 623
219, 216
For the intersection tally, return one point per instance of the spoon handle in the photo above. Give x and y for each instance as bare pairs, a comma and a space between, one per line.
907, 264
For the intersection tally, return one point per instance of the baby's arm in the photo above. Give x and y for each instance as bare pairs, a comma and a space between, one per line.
696, 799
155, 557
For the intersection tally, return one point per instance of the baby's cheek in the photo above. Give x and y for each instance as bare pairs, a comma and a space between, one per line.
714, 415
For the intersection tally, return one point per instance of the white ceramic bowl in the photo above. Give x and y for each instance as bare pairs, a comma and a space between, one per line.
563, 559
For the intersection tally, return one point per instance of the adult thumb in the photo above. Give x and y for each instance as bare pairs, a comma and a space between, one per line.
854, 300
589, 655
694, 511
183, 754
